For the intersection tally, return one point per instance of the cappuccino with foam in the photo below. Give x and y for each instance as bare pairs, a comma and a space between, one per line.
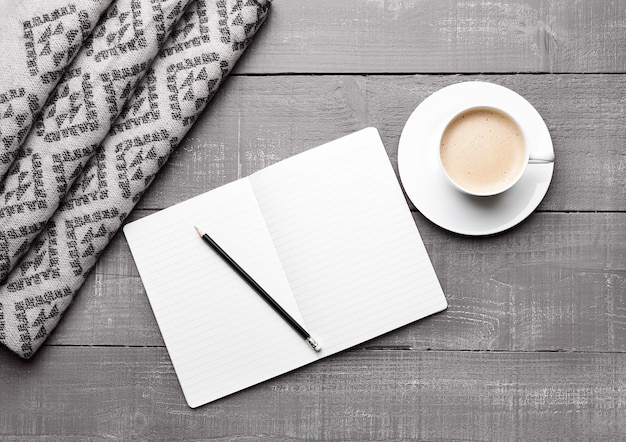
483, 151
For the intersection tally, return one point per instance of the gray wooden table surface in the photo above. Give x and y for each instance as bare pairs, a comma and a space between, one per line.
533, 345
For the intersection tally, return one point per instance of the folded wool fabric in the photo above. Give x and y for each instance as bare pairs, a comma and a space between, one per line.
39, 39
77, 116
197, 57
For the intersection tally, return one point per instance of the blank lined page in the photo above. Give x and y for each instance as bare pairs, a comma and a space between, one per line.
220, 335
347, 242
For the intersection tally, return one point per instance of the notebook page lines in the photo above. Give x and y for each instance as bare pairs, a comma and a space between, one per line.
177, 244
221, 336
348, 244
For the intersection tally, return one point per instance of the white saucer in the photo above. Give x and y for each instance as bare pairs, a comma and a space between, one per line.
428, 188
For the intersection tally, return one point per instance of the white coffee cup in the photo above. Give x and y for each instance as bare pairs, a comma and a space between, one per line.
483, 150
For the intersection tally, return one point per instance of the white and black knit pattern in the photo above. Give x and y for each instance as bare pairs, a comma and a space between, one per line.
199, 54
39, 40
77, 116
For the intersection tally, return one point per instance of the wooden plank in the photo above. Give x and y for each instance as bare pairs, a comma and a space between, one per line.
556, 282
257, 121
422, 36
132, 393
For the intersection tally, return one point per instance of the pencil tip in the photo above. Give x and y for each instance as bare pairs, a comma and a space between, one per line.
199, 231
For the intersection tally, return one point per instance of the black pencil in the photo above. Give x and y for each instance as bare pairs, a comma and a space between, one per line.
252, 283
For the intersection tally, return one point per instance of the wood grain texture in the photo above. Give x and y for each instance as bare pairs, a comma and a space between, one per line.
359, 395
256, 121
421, 36
556, 282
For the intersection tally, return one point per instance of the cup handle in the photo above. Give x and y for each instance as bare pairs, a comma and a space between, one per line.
541, 157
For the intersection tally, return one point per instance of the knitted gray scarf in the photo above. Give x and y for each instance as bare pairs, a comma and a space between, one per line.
107, 102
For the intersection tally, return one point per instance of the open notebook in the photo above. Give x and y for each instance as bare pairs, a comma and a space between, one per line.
327, 233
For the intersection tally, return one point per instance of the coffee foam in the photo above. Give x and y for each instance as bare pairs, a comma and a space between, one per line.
482, 150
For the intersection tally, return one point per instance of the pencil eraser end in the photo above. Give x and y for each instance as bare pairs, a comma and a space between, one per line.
314, 344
